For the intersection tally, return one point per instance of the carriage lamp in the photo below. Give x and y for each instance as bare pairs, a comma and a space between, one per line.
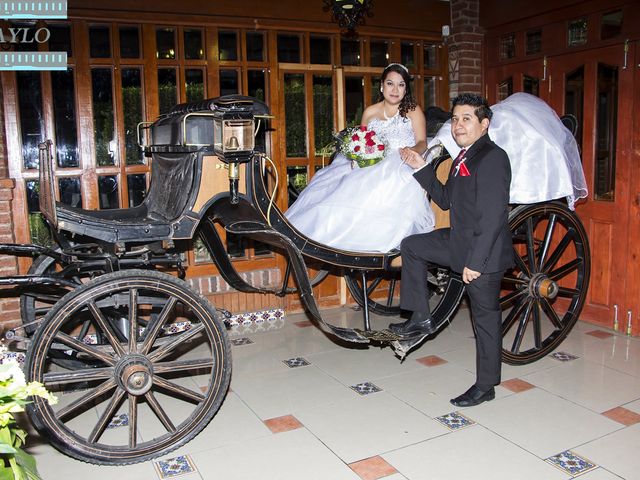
233, 142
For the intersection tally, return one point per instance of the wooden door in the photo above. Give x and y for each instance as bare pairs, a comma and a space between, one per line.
529, 77
594, 86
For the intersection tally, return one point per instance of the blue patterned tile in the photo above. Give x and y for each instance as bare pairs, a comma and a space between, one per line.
365, 388
121, 420
261, 316
563, 356
571, 463
173, 467
455, 421
241, 341
296, 362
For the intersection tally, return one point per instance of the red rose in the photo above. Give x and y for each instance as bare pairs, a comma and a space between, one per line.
355, 138
380, 147
369, 134
370, 143
363, 128
356, 148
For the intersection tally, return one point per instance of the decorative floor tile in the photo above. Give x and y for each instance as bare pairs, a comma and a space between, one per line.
571, 463
173, 467
259, 316
365, 388
372, 468
455, 421
516, 385
599, 334
121, 420
241, 341
283, 424
431, 361
303, 323
296, 362
7, 357
623, 416
563, 356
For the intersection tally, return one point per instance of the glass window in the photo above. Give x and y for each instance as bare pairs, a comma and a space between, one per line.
507, 46
70, 191
350, 52
379, 53
64, 113
574, 98
137, 188
165, 43
103, 126
255, 46
289, 48
505, 88
577, 32
429, 92
129, 42
60, 39
227, 45
132, 113
611, 25
236, 245
38, 229
99, 41
430, 56
194, 84
533, 42
18, 45
376, 95
257, 82
108, 192
193, 47
167, 89
531, 85
31, 115
200, 252
354, 93
297, 179
229, 84
320, 50
606, 133
408, 55
323, 113
295, 115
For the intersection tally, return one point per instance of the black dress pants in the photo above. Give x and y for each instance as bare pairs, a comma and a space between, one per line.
426, 249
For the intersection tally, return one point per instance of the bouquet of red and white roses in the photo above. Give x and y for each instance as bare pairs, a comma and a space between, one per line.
362, 146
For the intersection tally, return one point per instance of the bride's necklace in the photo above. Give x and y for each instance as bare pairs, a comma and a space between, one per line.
384, 112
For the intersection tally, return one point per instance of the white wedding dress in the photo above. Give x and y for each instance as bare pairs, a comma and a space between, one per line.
544, 156
367, 209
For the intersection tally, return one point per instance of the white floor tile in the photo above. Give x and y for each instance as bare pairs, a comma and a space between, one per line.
540, 422
290, 455
471, 453
599, 474
369, 425
617, 452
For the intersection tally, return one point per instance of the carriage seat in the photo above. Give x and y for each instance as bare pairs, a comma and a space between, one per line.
168, 199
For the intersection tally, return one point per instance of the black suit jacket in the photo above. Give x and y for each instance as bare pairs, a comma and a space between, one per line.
478, 206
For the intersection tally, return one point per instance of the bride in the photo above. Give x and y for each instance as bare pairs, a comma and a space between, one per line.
372, 208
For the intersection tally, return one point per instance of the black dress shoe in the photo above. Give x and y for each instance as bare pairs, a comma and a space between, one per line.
420, 323
474, 396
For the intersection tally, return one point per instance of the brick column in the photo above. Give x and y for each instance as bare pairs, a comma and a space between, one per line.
465, 48
9, 307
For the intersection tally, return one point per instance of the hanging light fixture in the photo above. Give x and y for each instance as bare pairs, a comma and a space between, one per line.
348, 14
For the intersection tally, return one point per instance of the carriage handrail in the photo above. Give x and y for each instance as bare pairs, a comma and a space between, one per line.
47, 199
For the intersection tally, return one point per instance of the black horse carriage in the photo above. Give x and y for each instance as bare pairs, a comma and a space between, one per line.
111, 333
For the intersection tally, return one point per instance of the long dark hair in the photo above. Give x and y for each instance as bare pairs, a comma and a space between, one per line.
408, 102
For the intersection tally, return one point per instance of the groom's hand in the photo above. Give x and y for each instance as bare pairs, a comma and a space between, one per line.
412, 158
469, 275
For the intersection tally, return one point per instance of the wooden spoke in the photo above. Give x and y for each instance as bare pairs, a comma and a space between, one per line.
392, 290
133, 320
559, 250
153, 329
165, 350
509, 297
83, 347
183, 365
537, 329
376, 281
106, 328
551, 313
508, 322
568, 292
522, 327
178, 389
133, 421
86, 400
548, 235
565, 269
106, 416
77, 376
531, 253
520, 264
159, 411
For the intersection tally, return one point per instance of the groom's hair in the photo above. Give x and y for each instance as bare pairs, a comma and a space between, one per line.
482, 109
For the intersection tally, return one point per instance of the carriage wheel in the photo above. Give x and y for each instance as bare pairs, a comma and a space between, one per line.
544, 294
158, 362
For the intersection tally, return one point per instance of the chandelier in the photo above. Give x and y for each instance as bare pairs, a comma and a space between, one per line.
348, 14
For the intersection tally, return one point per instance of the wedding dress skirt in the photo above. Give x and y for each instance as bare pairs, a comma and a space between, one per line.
544, 156
365, 209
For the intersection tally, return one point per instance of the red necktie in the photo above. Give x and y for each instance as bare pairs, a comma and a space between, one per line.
458, 161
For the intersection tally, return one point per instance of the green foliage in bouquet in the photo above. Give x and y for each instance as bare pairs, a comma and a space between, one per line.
16, 463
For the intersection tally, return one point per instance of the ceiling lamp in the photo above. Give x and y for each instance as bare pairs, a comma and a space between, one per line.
348, 14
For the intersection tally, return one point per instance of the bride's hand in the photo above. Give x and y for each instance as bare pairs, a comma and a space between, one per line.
411, 158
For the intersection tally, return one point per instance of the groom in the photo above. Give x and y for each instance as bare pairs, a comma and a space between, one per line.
478, 245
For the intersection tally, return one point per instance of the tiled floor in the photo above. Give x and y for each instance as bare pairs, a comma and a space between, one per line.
303, 407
